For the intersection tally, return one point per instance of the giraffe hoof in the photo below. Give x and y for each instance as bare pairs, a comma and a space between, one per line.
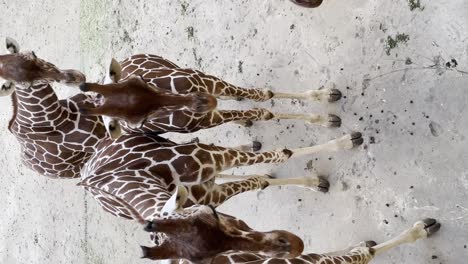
256, 146
356, 138
270, 176
248, 123
324, 185
431, 226
287, 152
333, 121
195, 140
239, 99
334, 95
370, 243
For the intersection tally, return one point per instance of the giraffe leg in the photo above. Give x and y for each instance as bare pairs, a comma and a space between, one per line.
421, 229
252, 146
198, 163
218, 117
312, 182
345, 251
217, 194
329, 120
241, 158
358, 255
230, 98
229, 91
346, 142
224, 90
245, 118
323, 95
329, 95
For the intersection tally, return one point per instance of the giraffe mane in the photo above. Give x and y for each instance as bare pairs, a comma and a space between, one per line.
14, 101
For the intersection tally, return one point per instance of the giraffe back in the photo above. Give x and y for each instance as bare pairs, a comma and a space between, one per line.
161, 72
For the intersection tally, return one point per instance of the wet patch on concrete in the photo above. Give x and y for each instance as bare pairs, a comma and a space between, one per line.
393, 42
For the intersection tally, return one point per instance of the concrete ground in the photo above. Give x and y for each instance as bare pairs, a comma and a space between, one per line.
403, 70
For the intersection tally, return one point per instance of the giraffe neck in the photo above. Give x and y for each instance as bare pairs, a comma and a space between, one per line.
55, 139
38, 106
360, 255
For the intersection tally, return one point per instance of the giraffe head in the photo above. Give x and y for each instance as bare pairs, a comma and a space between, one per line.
134, 100
207, 233
23, 69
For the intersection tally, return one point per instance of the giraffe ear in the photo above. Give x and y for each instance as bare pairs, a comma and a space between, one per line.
114, 72
176, 201
7, 88
12, 46
112, 126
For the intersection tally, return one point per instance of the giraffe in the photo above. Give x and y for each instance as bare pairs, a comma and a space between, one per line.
55, 138
213, 194
360, 254
144, 75
308, 3
39, 137
151, 175
214, 232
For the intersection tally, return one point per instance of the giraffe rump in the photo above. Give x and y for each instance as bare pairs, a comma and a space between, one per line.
134, 101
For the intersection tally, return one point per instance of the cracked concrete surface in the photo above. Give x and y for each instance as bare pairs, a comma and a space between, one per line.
404, 73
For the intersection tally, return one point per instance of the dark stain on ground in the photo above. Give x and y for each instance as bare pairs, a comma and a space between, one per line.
190, 32
435, 128
239, 67
365, 84
272, 102
344, 186
184, 6
452, 63
408, 61
198, 60
415, 4
126, 37
382, 27
392, 43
